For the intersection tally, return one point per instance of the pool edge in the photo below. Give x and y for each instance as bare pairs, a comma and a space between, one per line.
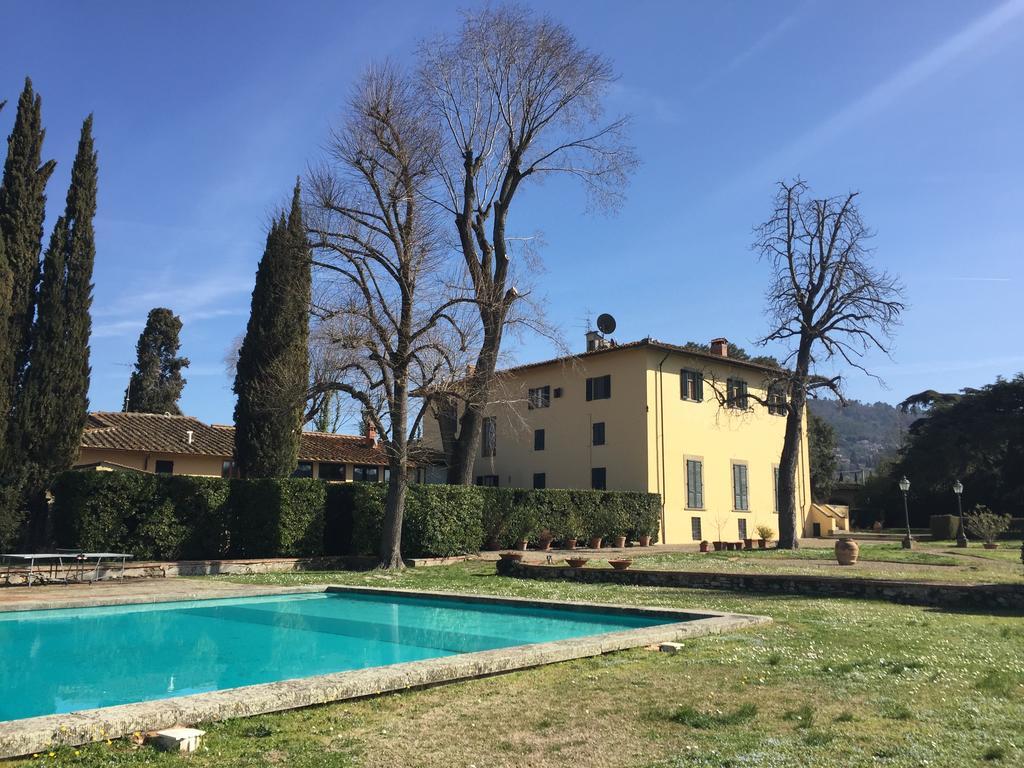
39, 734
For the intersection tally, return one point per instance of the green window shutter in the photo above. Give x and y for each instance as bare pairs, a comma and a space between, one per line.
590, 389
699, 381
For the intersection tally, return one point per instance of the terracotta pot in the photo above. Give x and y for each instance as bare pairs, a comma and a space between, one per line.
521, 545
739, 546
576, 562
620, 542
719, 545
620, 565
847, 552
990, 545
748, 543
704, 546
516, 556
492, 546
645, 541
544, 542
762, 543
595, 542
569, 544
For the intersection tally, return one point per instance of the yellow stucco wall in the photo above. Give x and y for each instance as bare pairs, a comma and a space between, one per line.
719, 437
568, 454
184, 464
649, 432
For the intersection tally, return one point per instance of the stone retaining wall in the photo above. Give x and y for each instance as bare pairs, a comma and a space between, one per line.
970, 596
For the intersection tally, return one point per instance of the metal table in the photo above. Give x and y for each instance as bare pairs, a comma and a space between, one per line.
52, 558
66, 562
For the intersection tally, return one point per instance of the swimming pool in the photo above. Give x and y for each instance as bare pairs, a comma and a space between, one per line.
69, 676
73, 659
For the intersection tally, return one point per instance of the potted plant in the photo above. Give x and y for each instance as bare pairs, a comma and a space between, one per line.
704, 546
644, 540
576, 562
718, 545
765, 533
620, 542
986, 525
748, 543
521, 523
620, 564
544, 539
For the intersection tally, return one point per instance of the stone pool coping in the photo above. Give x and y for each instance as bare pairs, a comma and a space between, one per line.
39, 734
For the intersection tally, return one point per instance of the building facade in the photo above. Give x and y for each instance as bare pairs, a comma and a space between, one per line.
183, 445
699, 429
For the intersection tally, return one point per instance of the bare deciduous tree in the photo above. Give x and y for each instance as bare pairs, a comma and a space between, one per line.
382, 305
518, 99
825, 301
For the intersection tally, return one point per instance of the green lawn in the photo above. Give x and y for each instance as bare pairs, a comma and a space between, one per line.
831, 683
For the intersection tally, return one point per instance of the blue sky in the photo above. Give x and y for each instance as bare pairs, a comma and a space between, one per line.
206, 112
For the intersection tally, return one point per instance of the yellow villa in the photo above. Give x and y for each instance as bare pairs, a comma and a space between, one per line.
699, 429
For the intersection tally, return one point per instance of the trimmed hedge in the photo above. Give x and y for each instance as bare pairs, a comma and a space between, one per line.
173, 518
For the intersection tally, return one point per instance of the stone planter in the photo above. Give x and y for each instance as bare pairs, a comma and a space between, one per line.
990, 545
514, 557
718, 545
762, 543
748, 543
847, 552
645, 541
595, 542
576, 562
620, 565
620, 542
704, 546
544, 543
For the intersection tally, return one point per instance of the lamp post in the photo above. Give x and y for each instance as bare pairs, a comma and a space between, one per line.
961, 534
908, 540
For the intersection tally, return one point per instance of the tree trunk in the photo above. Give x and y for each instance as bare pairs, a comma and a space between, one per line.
789, 533
467, 443
394, 512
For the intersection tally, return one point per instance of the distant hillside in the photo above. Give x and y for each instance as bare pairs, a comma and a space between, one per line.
865, 432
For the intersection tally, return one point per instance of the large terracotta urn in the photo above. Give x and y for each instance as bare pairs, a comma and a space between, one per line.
847, 552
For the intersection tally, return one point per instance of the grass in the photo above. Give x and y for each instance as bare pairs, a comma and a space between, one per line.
882, 560
873, 684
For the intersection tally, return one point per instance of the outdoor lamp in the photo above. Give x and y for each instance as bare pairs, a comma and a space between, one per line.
908, 540
961, 534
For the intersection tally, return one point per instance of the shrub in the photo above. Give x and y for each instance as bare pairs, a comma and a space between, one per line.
943, 527
281, 517
765, 532
986, 524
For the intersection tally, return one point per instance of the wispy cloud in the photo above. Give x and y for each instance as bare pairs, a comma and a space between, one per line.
762, 43
889, 91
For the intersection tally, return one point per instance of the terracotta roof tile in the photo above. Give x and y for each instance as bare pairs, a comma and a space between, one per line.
169, 434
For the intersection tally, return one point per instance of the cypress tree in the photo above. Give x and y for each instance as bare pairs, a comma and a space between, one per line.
22, 212
51, 409
156, 382
273, 363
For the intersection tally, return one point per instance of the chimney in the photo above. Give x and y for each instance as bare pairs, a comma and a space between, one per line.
595, 341
189, 434
720, 347
371, 435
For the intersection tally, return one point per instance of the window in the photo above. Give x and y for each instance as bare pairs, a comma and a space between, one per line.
538, 439
694, 484
540, 480
598, 478
775, 476
489, 441
331, 471
164, 467
742, 528
365, 474
539, 397
599, 388
695, 529
303, 469
691, 385
491, 481
740, 496
598, 432
777, 400
736, 394
228, 468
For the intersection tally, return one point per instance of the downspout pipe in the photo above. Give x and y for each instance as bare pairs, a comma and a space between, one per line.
660, 416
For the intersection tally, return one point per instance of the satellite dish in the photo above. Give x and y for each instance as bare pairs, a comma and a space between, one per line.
605, 323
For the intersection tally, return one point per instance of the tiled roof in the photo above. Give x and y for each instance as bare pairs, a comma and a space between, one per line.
649, 343
169, 434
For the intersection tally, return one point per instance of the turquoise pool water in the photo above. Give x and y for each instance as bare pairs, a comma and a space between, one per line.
70, 659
